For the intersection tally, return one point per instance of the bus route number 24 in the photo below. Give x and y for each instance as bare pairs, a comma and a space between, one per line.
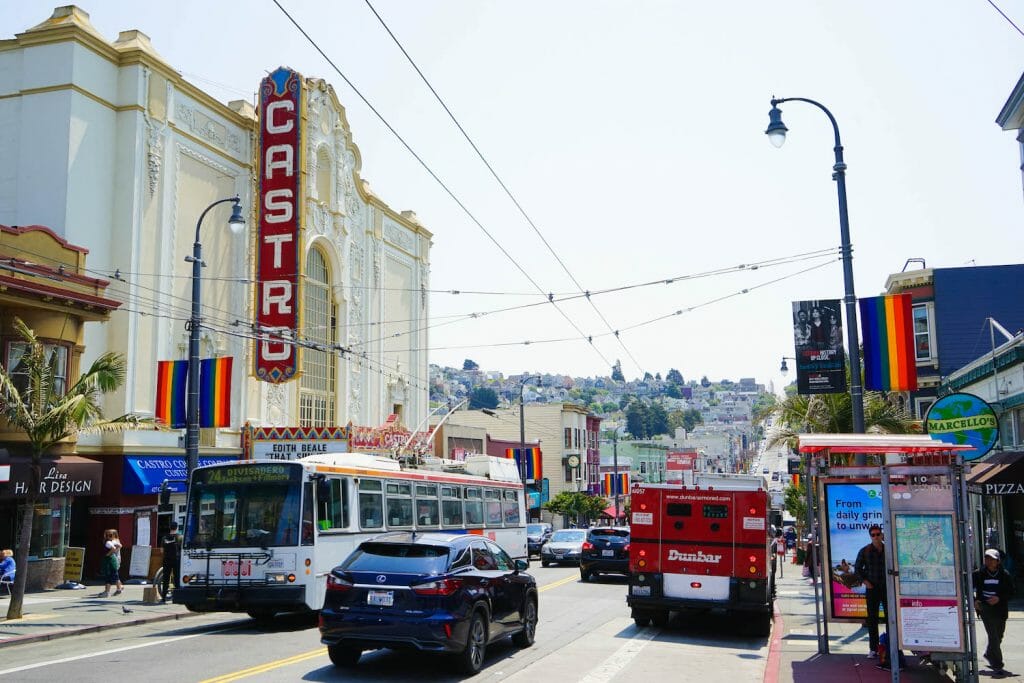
236, 568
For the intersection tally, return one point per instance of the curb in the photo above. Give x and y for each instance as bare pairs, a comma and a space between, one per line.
771, 667
82, 630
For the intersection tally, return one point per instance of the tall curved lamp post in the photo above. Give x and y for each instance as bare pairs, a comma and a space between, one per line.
195, 321
777, 135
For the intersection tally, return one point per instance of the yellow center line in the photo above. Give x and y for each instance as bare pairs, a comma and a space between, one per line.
269, 666
277, 664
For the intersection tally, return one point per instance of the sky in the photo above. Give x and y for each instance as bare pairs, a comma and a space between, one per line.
632, 135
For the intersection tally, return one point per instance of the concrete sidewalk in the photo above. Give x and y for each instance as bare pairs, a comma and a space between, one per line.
793, 654
60, 613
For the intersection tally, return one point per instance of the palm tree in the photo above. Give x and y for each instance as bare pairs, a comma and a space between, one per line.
34, 404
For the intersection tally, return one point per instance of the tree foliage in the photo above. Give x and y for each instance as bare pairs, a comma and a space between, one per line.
577, 506
483, 397
470, 365
644, 420
617, 372
33, 404
674, 376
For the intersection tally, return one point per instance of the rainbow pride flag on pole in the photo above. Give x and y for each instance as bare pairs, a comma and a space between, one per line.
215, 392
615, 486
887, 326
533, 462
171, 380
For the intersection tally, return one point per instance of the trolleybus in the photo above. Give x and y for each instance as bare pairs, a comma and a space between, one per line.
261, 536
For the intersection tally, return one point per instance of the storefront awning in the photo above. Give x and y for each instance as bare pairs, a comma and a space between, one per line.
146, 473
1001, 474
67, 475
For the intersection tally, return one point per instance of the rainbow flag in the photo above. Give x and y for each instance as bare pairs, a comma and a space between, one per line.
615, 485
171, 380
215, 392
887, 326
533, 462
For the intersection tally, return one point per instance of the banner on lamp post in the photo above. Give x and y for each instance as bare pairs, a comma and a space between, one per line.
818, 338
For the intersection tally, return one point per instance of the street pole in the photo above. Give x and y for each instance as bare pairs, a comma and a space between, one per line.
615, 472
195, 321
777, 134
522, 438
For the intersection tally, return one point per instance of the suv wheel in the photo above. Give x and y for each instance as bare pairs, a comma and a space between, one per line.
585, 575
472, 658
342, 656
544, 563
526, 637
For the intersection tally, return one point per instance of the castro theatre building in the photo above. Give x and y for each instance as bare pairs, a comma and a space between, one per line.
131, 155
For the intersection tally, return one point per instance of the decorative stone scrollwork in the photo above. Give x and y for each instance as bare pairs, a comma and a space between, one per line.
397, 235
155, 156
277, 405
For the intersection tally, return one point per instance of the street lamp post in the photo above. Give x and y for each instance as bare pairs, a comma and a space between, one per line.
236, 223
777, 135
522, 431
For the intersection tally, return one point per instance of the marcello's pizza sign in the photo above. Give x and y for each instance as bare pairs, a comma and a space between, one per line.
279, 235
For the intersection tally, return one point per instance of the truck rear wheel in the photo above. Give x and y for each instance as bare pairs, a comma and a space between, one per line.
641, 618
660, 618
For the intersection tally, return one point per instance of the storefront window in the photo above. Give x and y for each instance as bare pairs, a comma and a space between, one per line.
56, 357
51, 524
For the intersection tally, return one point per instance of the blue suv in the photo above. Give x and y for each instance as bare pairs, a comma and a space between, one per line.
433, 592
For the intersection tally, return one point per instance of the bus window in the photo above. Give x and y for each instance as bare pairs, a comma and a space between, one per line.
332, 511
474, 508
510, 507
426, 505
307, 513
451, 506
399, 500
371, 504
492, 500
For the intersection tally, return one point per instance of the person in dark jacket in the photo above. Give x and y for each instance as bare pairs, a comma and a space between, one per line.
993, 588
870, 568
171, 544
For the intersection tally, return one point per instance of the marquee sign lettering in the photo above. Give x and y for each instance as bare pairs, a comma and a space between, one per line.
280, 202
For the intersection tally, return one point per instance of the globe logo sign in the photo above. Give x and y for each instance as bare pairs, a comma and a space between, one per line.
966, 420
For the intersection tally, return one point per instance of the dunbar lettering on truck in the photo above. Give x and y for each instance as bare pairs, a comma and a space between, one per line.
701, 547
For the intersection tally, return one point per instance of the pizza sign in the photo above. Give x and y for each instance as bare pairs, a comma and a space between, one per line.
278, 249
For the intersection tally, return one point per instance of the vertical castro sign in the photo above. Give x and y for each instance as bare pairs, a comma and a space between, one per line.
277, 253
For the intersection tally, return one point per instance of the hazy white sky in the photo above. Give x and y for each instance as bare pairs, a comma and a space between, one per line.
632, 132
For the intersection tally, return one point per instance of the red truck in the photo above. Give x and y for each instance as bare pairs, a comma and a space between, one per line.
701, 547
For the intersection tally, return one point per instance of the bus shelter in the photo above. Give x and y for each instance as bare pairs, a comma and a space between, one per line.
915, 488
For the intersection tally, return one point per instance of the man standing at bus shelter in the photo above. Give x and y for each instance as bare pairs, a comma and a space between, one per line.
870, 567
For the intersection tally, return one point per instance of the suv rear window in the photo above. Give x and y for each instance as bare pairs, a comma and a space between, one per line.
396, 557
610, 532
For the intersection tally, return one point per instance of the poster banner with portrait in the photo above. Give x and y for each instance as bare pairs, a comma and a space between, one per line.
850, 508
818, 338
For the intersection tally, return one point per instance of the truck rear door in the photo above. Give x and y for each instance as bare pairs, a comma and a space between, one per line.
697, 549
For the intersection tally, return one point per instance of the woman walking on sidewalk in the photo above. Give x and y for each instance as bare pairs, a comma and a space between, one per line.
111, 564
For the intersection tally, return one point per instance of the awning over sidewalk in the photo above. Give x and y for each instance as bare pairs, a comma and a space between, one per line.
146, 473
67, 475
1001, 474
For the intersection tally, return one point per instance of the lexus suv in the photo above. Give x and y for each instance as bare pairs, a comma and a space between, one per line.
431, 592
606, 551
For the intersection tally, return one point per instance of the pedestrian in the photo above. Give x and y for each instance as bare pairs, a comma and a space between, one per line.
111, 563
171, 544
993, 588
779, 548
7, 566
870, 568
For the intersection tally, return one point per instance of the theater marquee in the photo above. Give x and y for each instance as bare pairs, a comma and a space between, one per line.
280, 225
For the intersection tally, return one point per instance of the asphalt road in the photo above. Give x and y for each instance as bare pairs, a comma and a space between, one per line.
584, 634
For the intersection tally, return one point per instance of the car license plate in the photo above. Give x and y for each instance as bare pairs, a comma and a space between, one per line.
641, 590
607, 553
381, 598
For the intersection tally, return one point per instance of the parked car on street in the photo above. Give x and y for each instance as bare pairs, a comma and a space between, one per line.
433, 592
564, 546
537, 535
606, 551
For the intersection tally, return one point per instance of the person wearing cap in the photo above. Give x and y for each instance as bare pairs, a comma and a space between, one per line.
171, 544
993, 588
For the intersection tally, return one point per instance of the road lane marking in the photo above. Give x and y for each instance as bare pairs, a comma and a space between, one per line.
610, 667
269, 666
276, 664
126, 648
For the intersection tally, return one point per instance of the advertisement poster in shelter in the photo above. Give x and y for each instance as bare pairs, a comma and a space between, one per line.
818, 339
850, 509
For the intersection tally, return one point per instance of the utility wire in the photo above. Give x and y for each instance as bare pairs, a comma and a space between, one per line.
500, 182
433, 175
1010, 21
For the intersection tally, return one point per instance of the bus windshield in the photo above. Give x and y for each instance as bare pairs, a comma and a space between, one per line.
244, 505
